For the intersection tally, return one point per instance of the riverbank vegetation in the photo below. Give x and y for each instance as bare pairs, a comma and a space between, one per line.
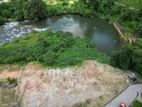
127, 13
20, 10
137, 104
129, 57
51, 49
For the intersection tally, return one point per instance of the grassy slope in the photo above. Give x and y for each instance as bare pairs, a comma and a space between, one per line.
93, 81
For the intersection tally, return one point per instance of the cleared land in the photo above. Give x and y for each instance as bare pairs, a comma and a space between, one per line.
91, 84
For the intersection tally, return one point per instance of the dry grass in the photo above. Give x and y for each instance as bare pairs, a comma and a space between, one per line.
8, 68
13, 71
92, 84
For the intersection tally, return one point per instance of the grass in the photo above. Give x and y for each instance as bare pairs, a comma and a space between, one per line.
10, 68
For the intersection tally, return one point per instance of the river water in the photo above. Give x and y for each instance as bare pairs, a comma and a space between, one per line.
101, 33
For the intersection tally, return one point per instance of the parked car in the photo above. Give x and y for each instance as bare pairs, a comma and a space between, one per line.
122, 105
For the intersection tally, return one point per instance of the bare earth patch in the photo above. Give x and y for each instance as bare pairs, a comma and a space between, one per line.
92, 84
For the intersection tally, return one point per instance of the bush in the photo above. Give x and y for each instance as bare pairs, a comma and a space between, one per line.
137, 104
2, 20
130, 57
139, 30
11, 80
115, 59
32, 10
50, 49
138, 43
125, 57
5, 11
35, 10
137, 60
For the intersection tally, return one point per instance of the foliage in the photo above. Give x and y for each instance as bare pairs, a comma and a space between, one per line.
83, 104
65, 7
137, 104
128, 13
2, 20
130, 57
139, 30
51, 49
36, 10
138, 42
11, 80
98, 5
125, 57
5, 10
32, 10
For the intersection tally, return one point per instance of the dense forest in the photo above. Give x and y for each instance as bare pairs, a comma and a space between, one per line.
127, 13
32, 10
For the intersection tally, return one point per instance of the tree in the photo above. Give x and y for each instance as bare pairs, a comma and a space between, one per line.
32, 10
98, 5
35, 10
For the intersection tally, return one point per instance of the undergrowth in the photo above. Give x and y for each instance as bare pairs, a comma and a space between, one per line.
50, 49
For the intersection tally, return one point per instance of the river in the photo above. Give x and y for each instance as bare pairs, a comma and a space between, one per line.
101, 33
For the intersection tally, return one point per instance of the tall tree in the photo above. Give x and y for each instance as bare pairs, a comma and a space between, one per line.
36, 9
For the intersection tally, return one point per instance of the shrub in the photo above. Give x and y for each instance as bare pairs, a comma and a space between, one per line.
115, 59
50, 49
11, 80
137, 60
35, 10
130, 57
137, 104
32, 10
2, 20
125, 57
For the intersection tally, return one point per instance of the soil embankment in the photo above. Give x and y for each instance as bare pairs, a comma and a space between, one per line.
92, 84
